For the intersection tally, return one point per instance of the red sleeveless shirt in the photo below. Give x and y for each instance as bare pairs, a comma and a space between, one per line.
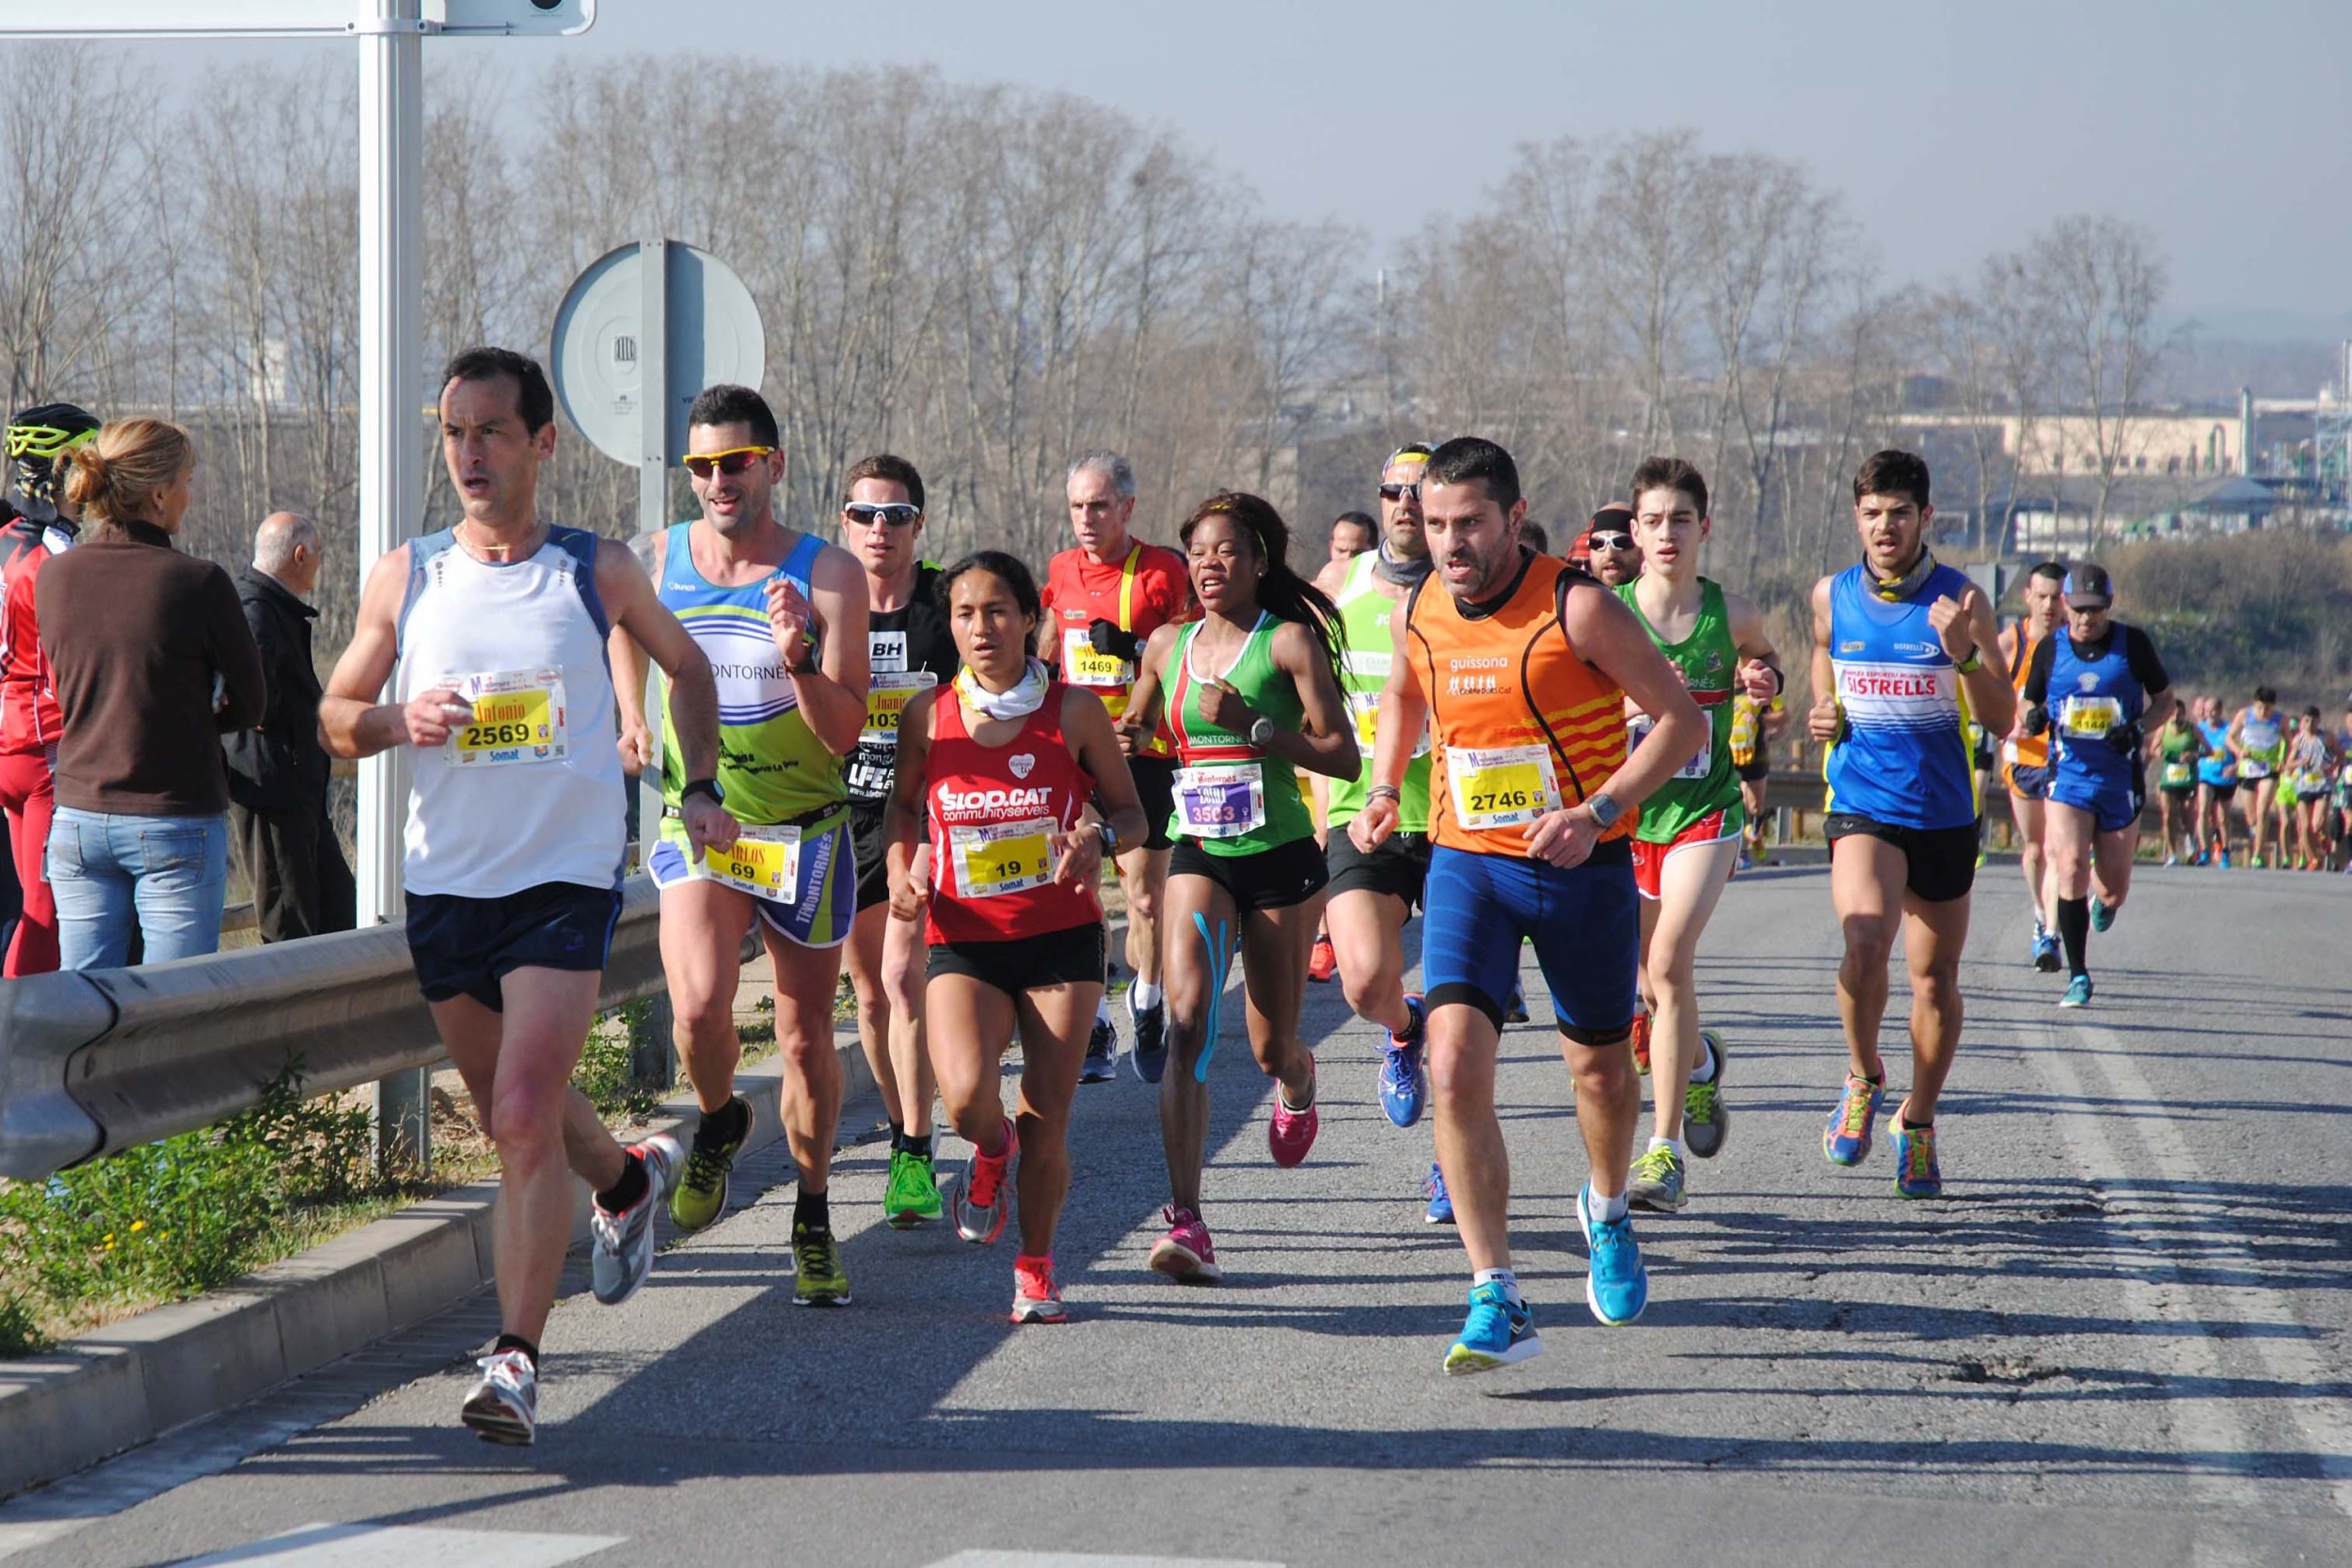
993, 810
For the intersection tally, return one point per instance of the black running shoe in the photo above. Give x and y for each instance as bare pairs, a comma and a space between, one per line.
1102, 1063
1150, 1056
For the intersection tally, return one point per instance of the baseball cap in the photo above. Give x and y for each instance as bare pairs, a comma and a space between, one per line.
2088, 588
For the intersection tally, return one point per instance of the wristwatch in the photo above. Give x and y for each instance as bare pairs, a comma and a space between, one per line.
1262, 733
1110, 837
806, 664
1974, 662
703, 786
1605, 810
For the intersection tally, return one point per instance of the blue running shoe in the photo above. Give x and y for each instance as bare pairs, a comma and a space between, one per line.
2225, 860
2045, 954
2101, 915
1404, 1080
1497, 1333
1916, 1174
1616, 1287
2077, 993
1440, 1205
1847, 1138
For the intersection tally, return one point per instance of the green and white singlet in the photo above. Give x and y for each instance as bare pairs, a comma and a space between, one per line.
1364, 622
1707, 660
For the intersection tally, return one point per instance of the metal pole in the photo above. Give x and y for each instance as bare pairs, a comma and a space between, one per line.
652, 1061
391, 483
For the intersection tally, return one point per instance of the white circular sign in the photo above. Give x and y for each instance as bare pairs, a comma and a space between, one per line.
599, 345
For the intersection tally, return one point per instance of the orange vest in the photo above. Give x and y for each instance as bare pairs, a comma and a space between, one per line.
1509, 701
2034, 750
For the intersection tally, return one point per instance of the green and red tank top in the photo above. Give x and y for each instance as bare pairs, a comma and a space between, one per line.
1707, 660
1232, 799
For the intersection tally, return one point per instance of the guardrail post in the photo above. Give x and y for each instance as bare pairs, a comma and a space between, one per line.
404, 1121
652, 1061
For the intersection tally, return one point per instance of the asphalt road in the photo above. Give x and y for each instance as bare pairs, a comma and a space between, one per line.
2119, 1339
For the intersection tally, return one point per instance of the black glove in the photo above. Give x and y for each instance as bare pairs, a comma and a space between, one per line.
2035, 719
1108, 639
2125, 738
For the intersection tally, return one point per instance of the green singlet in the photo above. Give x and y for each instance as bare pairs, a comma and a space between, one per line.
1709, 783
2179, 748
1364, 613
1232, 799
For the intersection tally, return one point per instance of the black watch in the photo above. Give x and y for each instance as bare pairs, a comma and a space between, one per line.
703, 786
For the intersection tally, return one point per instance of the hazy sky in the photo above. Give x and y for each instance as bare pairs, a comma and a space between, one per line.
1950, 128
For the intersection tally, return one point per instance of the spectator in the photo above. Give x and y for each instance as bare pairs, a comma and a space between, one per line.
1352, 535
152, 662
278, 773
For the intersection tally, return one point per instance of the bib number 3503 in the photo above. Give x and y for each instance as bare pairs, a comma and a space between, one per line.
1502, 787
1220, 802
518, 717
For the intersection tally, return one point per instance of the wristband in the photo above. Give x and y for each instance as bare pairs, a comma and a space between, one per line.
702, 787
1780, 681
1384, 792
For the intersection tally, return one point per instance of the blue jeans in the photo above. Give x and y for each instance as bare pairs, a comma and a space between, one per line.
166, 875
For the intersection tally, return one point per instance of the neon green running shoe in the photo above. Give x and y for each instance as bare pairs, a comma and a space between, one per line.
701, 1195
818, 1278
911, 1197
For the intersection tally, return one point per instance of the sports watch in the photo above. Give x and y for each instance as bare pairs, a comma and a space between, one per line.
1605, 810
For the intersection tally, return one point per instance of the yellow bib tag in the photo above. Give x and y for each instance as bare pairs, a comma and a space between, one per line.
887, 693
763, 862
1083, 664
1003, 857
1502, 787
518, 717
2092, 716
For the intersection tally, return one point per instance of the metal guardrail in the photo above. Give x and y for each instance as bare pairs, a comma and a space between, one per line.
103, 1060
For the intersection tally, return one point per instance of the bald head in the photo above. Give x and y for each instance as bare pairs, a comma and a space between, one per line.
286, 546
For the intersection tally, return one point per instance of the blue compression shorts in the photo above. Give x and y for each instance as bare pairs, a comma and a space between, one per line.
1585, 923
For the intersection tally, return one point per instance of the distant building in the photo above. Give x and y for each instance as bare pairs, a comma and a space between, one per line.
2051, 514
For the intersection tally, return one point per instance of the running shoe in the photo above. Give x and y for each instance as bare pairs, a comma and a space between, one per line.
1404, 1076
2225, 860
2045, 954
1705, 1117
1323, 962
1847, 1139
620, 1249
1916, 1174
912, 1196
2171, 859
2204, 857
1516, 1012
818, 1277
1036, 1294
1149, 1056
1290, 1134
1657, 1181
1616, 1287
1102, 1063
502, 1407
2102, 915
2077, 993
702, 1195
1641, 1041
1497, 1333
1747, 859
1440, 1210
982, 1199
1185, 1254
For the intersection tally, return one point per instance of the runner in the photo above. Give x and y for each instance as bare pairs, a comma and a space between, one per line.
1899, 662
1609, 542
1246, 857
1754, 727
44, 526
1352, 535
2025, 758
2096, 685
1693, 825
995, 771
1101, 600
2304, 787
2258, 739
781, 614
2216, 783
1372, 890
2174, 750
910, 651
2342, 788
1534, 801
516, 834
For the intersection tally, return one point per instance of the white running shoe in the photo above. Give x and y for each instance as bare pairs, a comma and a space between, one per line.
621, 1246
504, 1408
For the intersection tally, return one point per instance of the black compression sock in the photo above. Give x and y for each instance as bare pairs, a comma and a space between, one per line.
515, 1341
724, 1126
904, 1142
2074, 932
628, 1189
812, 1212
1911, 1126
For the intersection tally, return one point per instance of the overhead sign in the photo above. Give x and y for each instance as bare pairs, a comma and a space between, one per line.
290, 18
695, 320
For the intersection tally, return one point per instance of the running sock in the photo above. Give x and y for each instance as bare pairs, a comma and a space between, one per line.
630, 1189
1682, 1155
1705, 1071
515, 1341
722, 1126
811, 1212
1504, 1277
1147, 995
1911, 1126
1606, 1210
904, 1142
2075, 931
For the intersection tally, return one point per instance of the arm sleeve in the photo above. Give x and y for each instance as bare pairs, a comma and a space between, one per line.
2140, 653
2038, 673
235, 654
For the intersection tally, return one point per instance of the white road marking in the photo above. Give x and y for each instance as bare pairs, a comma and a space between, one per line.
1086, 1559
409, 1546
40, 1533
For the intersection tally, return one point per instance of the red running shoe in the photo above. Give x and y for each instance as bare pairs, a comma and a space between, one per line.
1323, 963
1291, 1133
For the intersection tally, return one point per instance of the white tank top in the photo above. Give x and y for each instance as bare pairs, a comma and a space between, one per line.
531, 791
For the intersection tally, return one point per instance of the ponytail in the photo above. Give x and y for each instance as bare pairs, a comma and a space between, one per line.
1281, 591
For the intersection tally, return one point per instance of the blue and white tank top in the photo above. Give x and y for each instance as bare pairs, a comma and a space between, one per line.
1903, 757
530, 790
2088, 697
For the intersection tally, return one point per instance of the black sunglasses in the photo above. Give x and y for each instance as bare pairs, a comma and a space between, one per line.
1612, 540
1401, 492
897, 513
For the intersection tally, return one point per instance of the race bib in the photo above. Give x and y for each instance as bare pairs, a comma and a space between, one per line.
764, 862
518, 717
1637, 729
1003, 857
1085, 665
2092, 717
887, 693
1502, 787
1220, 802
2253, 767
2176, 774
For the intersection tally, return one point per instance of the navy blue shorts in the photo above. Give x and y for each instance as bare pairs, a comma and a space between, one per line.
1585, 923
466, 946
2113, 801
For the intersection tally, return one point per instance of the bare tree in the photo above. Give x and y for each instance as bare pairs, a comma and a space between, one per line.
2102, 280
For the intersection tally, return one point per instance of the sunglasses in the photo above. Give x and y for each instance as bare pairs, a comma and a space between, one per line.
897, 513
1401, 492
731, 461
1612, 540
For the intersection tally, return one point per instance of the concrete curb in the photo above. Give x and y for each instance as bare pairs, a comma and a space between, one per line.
131, 1382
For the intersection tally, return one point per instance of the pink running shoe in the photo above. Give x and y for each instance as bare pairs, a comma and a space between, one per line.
1185, 1254
1036, 1294
1291, 1133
